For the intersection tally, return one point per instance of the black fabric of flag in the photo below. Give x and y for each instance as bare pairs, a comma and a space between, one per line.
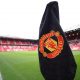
55, 56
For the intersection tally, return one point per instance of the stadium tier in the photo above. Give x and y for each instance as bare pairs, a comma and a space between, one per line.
74, 44
13, 44
73, 34
73, 37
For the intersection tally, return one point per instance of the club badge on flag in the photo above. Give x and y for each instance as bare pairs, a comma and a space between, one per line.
54, 46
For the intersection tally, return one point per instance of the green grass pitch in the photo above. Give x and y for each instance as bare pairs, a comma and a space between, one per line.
25, 65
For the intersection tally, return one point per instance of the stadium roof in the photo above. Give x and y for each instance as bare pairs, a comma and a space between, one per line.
11, 38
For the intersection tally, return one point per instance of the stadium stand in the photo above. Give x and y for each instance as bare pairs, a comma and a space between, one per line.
75, 45
73, 37
16, 44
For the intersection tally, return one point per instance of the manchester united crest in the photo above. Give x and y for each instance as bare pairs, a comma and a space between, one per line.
51, 44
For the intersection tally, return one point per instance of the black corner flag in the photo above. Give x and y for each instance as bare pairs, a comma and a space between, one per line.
55, 56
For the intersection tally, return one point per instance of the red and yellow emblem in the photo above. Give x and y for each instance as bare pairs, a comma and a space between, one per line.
55, 47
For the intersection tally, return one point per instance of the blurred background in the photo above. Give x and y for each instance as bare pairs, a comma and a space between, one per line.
19, 29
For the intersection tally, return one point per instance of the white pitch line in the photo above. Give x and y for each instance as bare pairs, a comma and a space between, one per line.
0, 76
